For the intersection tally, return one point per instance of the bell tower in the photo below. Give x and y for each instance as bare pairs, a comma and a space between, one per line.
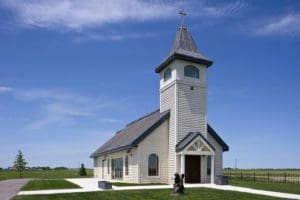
183, 91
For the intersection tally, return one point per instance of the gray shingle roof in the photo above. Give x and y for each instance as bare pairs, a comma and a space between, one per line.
188, 139
133, 133
185, 48
139, 129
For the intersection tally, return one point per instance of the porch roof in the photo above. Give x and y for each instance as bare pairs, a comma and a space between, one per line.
188, 139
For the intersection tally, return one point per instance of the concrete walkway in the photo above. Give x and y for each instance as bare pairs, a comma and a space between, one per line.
91, 185
10, 188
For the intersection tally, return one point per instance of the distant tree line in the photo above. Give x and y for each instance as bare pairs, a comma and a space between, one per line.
38, 168
20, 165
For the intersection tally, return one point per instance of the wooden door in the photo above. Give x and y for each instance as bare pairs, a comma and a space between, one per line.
192, 169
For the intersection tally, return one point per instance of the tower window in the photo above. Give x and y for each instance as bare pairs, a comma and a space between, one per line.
191, 71
167, 74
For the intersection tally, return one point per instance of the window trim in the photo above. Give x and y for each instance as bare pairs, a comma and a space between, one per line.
113, 174
191, 67
208, 160
158, 171
126, 163
108, 167
103, 164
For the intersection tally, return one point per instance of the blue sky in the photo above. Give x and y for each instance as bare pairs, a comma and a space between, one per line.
72, 73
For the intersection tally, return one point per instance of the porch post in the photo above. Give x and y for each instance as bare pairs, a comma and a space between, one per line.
212, 173
182, 162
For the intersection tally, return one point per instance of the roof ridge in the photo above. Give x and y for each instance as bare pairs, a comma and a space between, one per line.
185, 41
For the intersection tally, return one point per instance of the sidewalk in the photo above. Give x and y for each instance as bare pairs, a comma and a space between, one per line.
91, 185
10, 188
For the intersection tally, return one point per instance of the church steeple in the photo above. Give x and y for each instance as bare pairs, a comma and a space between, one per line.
184, 48
183, 85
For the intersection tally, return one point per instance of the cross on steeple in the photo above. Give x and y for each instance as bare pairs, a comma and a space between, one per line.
182, 13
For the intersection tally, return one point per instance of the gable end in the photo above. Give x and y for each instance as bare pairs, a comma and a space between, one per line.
217, 138
152, 128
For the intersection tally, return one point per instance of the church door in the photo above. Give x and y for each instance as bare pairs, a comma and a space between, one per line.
192, 169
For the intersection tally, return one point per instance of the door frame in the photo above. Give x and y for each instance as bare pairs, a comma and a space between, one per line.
197, 158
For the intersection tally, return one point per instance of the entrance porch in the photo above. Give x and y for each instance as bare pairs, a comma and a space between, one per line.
195, 159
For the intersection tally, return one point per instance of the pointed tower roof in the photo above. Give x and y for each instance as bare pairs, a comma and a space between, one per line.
184, 48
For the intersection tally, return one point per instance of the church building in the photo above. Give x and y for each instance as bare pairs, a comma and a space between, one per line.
176, 138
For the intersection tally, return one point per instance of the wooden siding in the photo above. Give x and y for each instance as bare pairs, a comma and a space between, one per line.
168, 101
191, 110
133, 166
218, 154
157, 143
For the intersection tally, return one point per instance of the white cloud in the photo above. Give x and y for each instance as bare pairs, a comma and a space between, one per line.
47, 95
58, 107
49, 120
220, 10
5, 89
90, 19
79, 15
65, 109
285, 25
113, 37
111, 120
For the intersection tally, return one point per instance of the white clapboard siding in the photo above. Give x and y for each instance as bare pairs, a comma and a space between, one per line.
167, 101
218, 154
133, 166
157, 143
191, 110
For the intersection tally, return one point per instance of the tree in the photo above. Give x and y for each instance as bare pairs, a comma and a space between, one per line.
60, 168
20, 163
82, 171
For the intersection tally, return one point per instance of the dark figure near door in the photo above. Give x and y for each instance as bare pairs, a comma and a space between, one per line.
178, 184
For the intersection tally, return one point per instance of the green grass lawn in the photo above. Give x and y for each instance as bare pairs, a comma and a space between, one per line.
271, 186
48, 174
191, 194
135, 184
49, 184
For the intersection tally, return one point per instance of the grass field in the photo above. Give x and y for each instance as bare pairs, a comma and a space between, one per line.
191, 194
49, 184
271, 186
263, 171
49, 174
268, 175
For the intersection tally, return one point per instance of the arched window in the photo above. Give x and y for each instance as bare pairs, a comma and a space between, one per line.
191, 71
153, 165
167, 74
